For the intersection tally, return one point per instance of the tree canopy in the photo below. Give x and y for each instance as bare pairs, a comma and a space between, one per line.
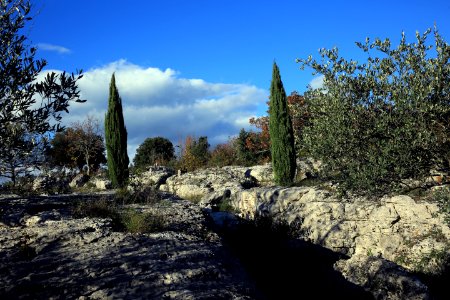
78, 146
29, 109
378, 123
156, 150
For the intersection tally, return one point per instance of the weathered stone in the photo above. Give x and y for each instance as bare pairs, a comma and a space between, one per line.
55, 255
205, 185
395, 228
101, 184
383, 278
155, 175
79, 180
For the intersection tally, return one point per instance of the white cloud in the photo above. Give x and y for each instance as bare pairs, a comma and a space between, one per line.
161, 103
54, 48
317, 82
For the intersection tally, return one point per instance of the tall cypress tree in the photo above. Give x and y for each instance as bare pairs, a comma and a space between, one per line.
281, 132
116, 138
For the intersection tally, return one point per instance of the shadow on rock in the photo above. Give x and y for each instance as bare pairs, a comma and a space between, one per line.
286, 268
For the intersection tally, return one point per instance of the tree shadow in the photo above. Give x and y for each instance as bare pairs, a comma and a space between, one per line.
287, 268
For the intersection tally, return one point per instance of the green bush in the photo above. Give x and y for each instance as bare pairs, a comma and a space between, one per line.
383, 121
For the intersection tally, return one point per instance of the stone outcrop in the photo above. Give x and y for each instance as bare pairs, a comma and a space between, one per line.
101, 184
154, 176
409, 233
385, 279
209, 186
79, 180
47, 253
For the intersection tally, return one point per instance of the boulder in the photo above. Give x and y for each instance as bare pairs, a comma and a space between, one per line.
101, 183
155, 176
79, 180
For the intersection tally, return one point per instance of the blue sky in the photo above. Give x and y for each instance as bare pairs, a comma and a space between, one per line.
203, 67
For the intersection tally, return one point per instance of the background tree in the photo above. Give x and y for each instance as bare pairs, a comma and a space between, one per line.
195, 153
281, 132
29, 110
116, 138
298, 111
157, 150
252, 148
224, 154
78, 146
377, 123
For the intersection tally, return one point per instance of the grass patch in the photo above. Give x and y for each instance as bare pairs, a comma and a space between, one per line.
225, 205
140, 222
124, 220
140, 195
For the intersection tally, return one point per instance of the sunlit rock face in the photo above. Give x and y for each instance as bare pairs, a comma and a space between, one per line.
396, 228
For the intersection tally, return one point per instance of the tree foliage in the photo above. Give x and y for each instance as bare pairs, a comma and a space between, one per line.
29, 109
281, 132
377, 123
116, 138
157, 150
299, 114
252, 148
194, 153
78, 146
225, 154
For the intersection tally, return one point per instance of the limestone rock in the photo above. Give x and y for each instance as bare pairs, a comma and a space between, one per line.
383, 278
101, 184
204, 185
155, 175
397, 228
53, 255
79, 180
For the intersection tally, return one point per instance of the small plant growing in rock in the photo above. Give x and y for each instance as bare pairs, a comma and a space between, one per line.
25, 250
442, 197
225, 205
142, 222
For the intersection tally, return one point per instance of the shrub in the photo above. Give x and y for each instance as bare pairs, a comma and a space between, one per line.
442, 197
378, 123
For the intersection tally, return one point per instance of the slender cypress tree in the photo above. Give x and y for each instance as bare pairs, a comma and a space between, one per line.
116, 138
281, 132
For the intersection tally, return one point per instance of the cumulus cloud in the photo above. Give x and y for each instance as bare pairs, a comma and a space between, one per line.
54, 48
317, 82
162, 103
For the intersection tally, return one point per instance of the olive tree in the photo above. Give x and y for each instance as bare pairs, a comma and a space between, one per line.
377, 123
29, 109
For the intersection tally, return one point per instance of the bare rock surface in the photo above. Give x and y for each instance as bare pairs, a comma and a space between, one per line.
382, 277
396, 228
47, 253
387, 239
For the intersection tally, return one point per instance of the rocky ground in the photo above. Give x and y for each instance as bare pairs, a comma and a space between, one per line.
316, 245
47, 253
